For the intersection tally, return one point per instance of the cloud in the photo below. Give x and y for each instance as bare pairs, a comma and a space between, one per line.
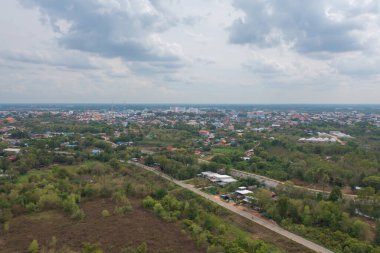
153, 68
114, 28
307, 26
66, 59
357, 65
204, 60
192, 20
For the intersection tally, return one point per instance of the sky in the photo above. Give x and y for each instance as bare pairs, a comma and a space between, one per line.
182, 51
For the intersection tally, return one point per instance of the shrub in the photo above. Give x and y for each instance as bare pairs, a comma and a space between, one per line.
142, 248
105, 213
5, 214
88, 191
160, 193
78, 214
53, 242
215, 249
158, 209
48, 201
91, 248
31, 207
123, 209
33, 247
149, 202
119, 197
6, 227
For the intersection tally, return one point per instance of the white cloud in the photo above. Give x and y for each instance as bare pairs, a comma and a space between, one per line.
283, 51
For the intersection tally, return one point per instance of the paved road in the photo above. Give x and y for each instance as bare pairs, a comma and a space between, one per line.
272, 183
275, 228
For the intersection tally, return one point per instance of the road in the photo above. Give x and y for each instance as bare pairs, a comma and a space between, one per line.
272, 183
275, 228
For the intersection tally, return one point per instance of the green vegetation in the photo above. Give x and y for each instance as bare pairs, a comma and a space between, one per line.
84, 161
201, 220
105, 213
33, 247
65, 188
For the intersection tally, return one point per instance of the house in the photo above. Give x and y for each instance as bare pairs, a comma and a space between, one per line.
244, 195
204, 133
242, 192
124, 143
96, 152
340, 134
249, 153
12, 158
197, 152
170, 148
69, 145
218, 178
10, 120
11, 151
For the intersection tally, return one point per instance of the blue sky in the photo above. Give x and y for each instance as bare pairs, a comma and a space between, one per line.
177, 51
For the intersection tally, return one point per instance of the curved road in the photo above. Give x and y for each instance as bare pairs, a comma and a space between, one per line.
275, 228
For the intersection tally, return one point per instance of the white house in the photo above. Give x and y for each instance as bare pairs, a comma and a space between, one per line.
218, 178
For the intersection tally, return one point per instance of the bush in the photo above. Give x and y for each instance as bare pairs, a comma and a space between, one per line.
48, 201
91, 248
53, 242
142, 248
6, 227
149, 202
160, 193
123, 209
33, 247
160, 211
31, 207
215, 249
78, 214
105, 213
5, 214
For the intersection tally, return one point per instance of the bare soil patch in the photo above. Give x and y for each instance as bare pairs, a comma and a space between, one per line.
111, 233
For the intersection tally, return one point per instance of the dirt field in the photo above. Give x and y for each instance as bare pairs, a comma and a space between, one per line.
112, 233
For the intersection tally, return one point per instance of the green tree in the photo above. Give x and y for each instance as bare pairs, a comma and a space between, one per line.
373, 181
282, 206
366, 193
377, 233
327, 214
335, 194
306, 216
149, 161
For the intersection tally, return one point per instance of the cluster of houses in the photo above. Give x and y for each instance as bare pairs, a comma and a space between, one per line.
242, 193
209, 138
318, 140
217, 178
332, 137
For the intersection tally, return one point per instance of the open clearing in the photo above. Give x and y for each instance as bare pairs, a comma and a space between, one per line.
112, 233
